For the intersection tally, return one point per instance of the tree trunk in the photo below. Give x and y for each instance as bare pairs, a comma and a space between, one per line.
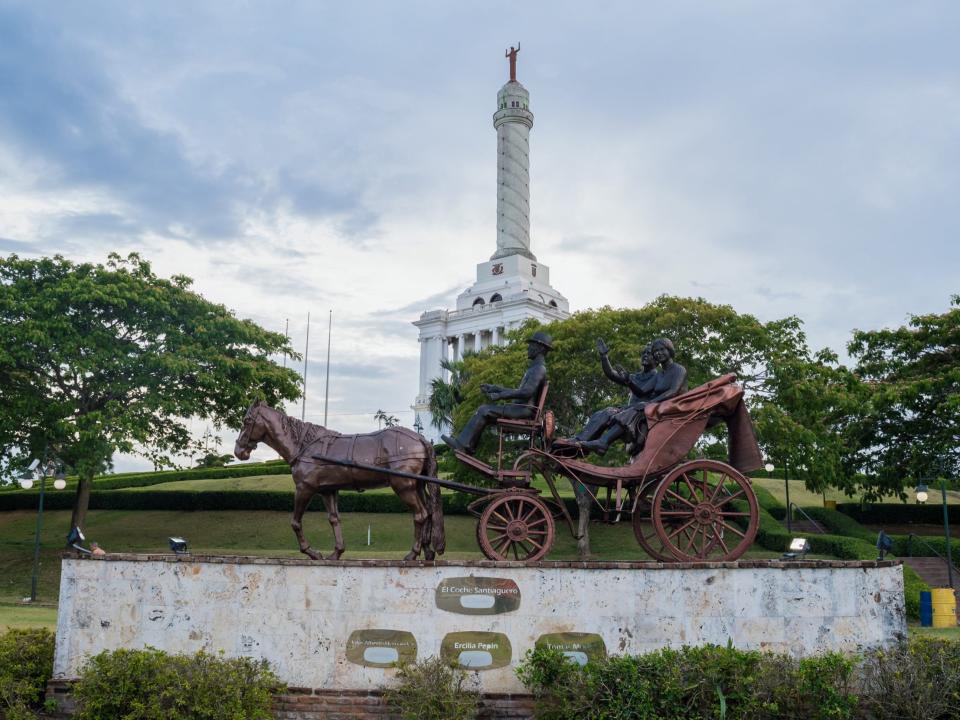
82, 502
583, 519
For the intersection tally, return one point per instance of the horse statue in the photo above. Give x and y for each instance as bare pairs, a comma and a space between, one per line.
395, 448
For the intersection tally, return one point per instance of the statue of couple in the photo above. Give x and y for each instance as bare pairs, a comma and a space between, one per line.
647, 386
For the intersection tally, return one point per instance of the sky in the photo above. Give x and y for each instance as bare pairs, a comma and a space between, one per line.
787, 158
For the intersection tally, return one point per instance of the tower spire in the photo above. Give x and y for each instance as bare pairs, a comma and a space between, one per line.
513, 121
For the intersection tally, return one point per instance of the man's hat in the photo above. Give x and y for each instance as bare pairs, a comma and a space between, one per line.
541, 338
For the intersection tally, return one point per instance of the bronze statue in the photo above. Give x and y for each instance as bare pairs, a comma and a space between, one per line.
522, 403
395, 448
629, 423
512, 55
640, 384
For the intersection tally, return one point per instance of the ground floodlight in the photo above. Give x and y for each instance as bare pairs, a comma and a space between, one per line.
75, 538
799, 547
768, 467
922, 496
884, 544
178, 545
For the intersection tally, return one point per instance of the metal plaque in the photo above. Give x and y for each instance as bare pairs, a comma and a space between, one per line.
579, 647
381, 648
478, 595
476, 650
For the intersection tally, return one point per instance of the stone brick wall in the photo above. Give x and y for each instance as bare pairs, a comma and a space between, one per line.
307, 704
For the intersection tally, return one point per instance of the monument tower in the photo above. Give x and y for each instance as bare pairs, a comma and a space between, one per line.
512, 285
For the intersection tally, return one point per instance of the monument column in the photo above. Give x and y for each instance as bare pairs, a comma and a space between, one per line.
513, 121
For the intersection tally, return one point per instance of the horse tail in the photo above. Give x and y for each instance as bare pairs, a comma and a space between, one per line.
438, 539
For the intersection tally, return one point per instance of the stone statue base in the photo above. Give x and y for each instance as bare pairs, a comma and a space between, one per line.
340, 626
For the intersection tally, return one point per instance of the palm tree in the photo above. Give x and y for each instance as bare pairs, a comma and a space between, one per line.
445, 394
380, 416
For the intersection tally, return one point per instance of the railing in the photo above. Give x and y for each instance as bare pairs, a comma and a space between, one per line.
910, 538
813, 522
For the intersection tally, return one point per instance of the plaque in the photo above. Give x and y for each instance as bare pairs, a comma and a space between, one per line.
478, 595
381, 648
476, 650
579, 647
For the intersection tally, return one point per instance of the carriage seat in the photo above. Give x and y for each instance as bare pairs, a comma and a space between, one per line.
510, 425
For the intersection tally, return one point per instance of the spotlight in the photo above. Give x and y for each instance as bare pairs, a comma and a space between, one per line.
884, 544
799, 547
75, 538
179, 545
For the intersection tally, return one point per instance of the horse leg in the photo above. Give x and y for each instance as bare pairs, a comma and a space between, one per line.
424, 534
406, 490
300, 502
333, 515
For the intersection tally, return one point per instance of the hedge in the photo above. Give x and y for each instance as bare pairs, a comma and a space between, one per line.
916, 679
899, 513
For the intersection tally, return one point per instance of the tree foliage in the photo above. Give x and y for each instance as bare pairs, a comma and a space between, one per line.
98, 359
910, 428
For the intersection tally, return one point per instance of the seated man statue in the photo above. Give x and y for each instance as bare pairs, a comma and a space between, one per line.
522, 405
630, 424
640, 384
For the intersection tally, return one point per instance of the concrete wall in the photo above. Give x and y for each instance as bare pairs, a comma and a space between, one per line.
339, 625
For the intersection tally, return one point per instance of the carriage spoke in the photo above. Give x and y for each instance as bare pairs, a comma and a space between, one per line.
693, 492
692, 541
681, 529
516, 555
533, 542
735, 514
727, 499
719, 536
506, 521
676, 513
680, 498
730, 527
720, 486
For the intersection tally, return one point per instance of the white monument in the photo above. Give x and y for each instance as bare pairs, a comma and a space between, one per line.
511, 286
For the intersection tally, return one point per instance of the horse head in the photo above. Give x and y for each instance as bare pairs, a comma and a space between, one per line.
251, 432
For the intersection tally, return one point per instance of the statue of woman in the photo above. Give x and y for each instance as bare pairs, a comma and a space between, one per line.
629, 423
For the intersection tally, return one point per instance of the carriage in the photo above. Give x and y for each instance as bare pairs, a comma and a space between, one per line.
680, 509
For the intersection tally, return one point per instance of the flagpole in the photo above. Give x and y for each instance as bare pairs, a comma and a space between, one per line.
306, 355
326, 392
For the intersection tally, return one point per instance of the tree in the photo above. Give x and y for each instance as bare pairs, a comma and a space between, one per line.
100, 359
384, 419
911, 426
446, 394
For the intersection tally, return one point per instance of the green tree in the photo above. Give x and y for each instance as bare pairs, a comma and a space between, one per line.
100, 359
911, 426
446, 394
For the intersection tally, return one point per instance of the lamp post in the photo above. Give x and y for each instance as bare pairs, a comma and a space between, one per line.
786, 487
46, 468
946, 532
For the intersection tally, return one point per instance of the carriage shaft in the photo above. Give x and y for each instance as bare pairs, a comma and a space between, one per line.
449, 484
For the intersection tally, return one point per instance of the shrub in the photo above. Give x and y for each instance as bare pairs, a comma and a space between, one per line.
26, 663
150, 684
881, 513
915, 681
432, 689
692, 682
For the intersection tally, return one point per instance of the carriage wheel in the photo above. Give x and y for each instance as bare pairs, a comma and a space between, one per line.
646, 533
698, 509
515, 526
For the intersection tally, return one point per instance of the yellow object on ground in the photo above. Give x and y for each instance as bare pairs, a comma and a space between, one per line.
830, 504
944, 607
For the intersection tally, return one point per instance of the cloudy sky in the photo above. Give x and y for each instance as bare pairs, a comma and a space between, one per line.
784, 157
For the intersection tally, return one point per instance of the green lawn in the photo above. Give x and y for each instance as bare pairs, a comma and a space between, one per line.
804, 498
27, 616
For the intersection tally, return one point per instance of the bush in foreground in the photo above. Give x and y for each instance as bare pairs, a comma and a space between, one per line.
920, 679
432, 689
150, 684
26, 663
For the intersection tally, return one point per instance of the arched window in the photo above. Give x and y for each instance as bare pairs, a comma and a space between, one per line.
495, 298
478, 301
553, 303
